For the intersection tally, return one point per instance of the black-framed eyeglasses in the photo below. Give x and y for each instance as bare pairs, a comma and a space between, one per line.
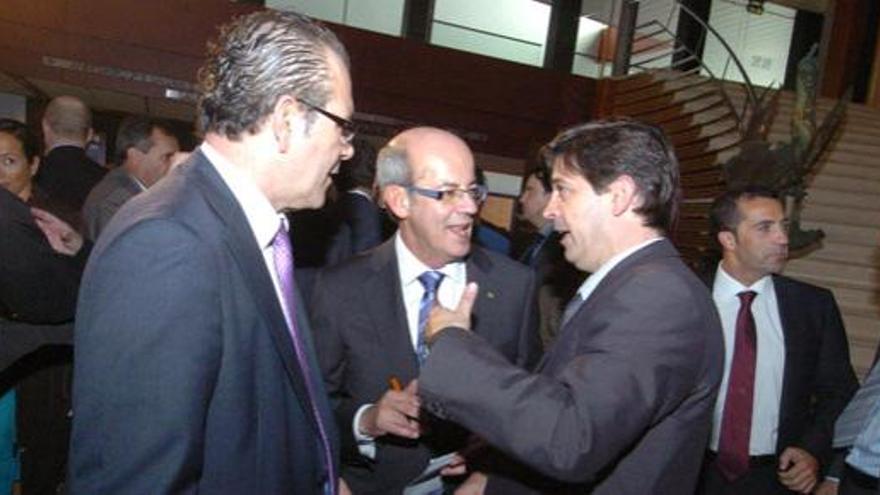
349, 128
476, 193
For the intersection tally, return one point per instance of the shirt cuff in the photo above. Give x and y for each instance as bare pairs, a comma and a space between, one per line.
365, 443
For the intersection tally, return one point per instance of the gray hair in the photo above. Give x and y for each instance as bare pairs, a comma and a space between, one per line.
257, 59
392, 167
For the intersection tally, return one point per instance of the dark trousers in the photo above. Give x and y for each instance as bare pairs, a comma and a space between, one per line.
760, 479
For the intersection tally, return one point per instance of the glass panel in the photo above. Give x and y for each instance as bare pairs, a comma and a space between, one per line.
589, 37
384, 16
761, 42
510, 29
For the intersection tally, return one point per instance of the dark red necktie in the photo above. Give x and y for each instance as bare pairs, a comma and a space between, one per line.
736, 423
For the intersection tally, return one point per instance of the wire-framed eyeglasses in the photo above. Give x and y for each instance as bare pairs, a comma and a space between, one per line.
349, 128
476, 193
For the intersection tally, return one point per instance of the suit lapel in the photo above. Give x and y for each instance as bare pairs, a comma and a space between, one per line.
249, 257
789, 317
384, 300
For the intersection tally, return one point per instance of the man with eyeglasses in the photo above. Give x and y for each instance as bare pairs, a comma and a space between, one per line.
195, 370
371, 310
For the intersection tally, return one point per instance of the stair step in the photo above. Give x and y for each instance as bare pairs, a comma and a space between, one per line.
834, 271
837, 252
849, 169
822, 214
867, 201
864, 185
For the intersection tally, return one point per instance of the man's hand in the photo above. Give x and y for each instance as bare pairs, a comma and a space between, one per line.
798, 470
460, 317
395, 413
457, 466
827, 487
60, 235
475, 484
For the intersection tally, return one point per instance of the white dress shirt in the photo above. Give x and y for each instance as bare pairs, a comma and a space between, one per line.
770, 361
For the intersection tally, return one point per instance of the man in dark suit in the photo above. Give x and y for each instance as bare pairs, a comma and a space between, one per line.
557, 278
787, 374
145, 149
194, 366
621, 403
370, 311
67, 174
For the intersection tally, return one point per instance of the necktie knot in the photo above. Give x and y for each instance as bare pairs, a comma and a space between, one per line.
746, 297
431, 280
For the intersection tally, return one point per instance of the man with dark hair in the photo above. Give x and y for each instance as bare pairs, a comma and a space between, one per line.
194, 365
787, 374
621, 403
427, 182
557, 279
145, 149
66, 173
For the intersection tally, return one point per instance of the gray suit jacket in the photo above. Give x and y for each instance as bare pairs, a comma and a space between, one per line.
106, 198
186, 379
622, 401
362, 339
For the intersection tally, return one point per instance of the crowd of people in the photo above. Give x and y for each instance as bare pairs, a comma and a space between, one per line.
227, 339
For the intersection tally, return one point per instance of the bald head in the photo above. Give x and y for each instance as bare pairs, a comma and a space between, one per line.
405, 157
67, 120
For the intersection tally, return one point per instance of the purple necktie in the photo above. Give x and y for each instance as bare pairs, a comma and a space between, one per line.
283, 255
736, 423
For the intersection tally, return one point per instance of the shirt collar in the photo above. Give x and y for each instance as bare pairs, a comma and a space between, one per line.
727, 286
593, 280
411, 267
262, 218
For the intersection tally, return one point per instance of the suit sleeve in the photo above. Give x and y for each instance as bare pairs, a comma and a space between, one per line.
637, 364
835, 381
37, 285
148, 348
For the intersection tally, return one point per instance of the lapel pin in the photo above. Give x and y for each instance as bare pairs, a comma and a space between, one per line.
490, 294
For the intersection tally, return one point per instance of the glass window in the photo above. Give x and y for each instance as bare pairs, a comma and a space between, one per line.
509, 29
761, 42
384, 16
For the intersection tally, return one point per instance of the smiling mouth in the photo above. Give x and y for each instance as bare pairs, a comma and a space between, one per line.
462, 230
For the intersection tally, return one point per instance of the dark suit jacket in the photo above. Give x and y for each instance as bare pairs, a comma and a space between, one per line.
37, 285
67, 175
363, 339
186, 379
106, 198
621, 402
359, 227
818, 380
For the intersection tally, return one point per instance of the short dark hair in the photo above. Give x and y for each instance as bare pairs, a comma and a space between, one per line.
359, 170
724, 214
601, 151
542, 173
257, 59
136, 131
28, 139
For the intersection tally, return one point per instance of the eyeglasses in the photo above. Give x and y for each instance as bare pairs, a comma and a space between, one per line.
476, 193
349, 128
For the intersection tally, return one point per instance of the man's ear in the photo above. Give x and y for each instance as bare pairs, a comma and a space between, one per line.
396, 200
727, 240
35, 166
624, 195
287, 119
